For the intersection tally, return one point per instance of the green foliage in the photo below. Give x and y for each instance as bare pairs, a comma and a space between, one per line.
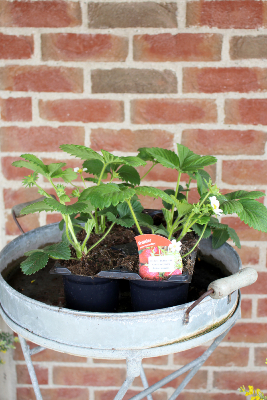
6, 342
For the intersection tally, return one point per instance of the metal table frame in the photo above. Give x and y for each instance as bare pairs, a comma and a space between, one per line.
133, 357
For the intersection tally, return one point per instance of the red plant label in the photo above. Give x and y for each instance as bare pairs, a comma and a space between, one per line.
158, 257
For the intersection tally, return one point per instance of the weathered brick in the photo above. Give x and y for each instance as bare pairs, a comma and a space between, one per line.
249, 255
83, 47
132, 14
132, 80
20, 195
199, 381
110, 394
52, 218
259, 287
218, 80
41, 79
25, 393
260, 356
24, 377
47, 355
49, 14
16, 109
28, 222
233, 379
84, 110
15, 47
222, 356
88, 376
244, 172
247, 332
246, 111
244, 47
262, 308
246, 308
209, 396
244, 231
41, 138
128, 140
216, 142
238, 14
173, 111
180, 47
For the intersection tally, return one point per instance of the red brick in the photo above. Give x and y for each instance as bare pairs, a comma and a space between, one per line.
146, 14
246, 308
231, 380
260, 356
16, 109
24, 393
50, 14
52, 218
221, 80
161, 360
216, 142
15, 47
180, 47
249, 255
128, 140
83, 47
88, 376
28, 222
84, 110
246, 111
222, 356
24, 377
248, 333
110, 394
173, 111
41, 138
41, 78
21, 195
150, 202
243, 230
47, 355
244, 172
262, 308
13, 173
246, 47
238, 14
209, 396
259, 287
199, 381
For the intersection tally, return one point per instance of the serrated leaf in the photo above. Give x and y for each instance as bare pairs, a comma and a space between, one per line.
203, 220
199, 229
90, 223
167, 158
144, 219
123, 208
66, 210
110, 158
64, 198
243, 194
127, 222
55, 169
133, 161
34, 263
153, 192
61, 225
68, 175
161, 230
190, 162
29, 165
254, 214
202, 178
29, 253
94, 166
60, 251
231, 207
103, 196
219, 237
145, 155
167, 216
129, 174
33, 159
91, 180
83, 152
183, 207
234, 237
36, 207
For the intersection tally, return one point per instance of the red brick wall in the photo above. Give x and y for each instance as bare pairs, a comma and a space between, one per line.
121, 75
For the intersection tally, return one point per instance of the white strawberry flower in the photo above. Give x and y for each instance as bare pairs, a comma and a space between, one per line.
174, 246
80, 170
215, 205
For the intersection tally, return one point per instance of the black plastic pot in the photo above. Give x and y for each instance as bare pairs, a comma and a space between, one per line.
84, 293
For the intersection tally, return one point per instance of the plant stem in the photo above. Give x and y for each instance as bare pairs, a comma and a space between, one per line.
193, 248
134, 216
101, 174
103, 237
153, 165
176, 192
188, 185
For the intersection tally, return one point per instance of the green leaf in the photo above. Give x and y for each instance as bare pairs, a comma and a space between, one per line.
60, 251
153, 192
33, 159
161, 230
123, 208
34, 262
167, 216
133, 161
183, 207
91, 180
199, 228
55, 169
167, 158
231, 207
61, 208
106, 194
203, 220
243, 194
129, 174
126, 221
144, 219
145, 155
61, 225
170, 192
219, 237
189, 161
29, 165
68, 175
110, 158
94, 166
89, 226
83, 152
254, 214
36, 207
233, 235
202, 178
64, 198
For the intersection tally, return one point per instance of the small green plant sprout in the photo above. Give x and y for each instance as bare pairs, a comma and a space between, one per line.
6, 342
